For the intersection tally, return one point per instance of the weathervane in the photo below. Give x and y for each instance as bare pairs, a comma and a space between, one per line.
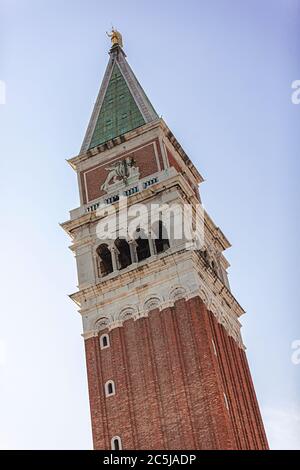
115, 37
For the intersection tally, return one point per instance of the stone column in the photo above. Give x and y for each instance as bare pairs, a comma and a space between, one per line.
151, 244
133, 253
114, 257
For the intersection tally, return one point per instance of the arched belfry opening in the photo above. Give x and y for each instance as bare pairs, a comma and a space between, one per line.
161, 238
124, 255
142, 245
105, 265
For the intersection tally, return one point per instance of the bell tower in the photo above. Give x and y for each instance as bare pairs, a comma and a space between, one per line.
166, 363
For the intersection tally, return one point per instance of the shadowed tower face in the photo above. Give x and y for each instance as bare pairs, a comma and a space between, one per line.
165, 358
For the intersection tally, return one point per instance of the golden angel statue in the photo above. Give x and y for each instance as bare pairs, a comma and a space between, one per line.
116, 37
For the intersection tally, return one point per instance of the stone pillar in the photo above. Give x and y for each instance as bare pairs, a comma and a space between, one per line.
114, 257
151, 244
133, 253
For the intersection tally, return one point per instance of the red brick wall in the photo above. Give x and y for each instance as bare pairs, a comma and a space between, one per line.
146, 160
170, 384
181, 169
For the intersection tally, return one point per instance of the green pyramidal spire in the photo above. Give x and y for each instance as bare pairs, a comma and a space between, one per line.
121, 106
119, 112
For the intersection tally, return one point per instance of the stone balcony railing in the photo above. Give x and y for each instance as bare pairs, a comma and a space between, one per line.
123, 190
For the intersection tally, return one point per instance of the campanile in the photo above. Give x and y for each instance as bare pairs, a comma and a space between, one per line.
165, 359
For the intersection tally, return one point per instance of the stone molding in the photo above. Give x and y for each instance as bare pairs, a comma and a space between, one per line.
108, 313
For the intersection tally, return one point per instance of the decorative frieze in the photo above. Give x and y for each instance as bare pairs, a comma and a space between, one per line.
111, 303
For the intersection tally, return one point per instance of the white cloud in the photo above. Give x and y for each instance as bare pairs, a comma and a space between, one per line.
283, 427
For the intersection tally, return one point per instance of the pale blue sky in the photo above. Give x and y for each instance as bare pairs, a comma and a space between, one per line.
220, 73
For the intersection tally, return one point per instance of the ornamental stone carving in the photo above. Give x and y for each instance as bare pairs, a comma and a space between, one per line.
120, 173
